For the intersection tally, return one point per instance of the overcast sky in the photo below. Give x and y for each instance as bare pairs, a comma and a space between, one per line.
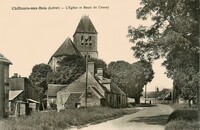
30, 37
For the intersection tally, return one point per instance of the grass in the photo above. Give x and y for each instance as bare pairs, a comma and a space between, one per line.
53, 120
177, 106
183, 118
182, 125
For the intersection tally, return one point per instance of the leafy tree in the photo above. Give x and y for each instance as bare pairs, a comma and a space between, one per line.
173, 35
71, 68
38, 78
131, 78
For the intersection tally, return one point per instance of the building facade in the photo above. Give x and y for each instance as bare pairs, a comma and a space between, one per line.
23, 97
100, 92
84, 43
4, 86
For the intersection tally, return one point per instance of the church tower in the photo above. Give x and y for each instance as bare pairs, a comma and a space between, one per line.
85, 38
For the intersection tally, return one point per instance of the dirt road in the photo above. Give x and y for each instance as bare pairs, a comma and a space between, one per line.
151, 118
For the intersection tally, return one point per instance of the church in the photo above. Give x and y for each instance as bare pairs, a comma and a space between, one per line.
100, 90
84, 42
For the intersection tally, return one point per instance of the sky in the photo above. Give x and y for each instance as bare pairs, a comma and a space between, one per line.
30, 37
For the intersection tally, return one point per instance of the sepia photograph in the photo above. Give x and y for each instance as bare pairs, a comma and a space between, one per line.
92, 65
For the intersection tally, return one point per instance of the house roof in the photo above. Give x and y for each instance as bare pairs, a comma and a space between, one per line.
103, 81
74, 97
115, 89
95, 91
161, 94
54, 88
32, 101
67, 48
4, 59
80, 84
14, 93
85, 26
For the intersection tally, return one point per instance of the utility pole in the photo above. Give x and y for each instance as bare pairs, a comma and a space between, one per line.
145, 94
198, 101
86, 82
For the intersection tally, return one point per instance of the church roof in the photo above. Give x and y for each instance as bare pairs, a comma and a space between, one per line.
85, 26
4, 59
67, 48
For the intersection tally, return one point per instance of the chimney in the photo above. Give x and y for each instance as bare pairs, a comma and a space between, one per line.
100, 73
91, 68
15, 75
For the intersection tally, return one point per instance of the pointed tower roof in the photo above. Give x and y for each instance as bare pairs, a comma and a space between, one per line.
4, 59
67, 48
85, 26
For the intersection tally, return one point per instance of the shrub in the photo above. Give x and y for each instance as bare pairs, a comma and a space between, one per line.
184, 114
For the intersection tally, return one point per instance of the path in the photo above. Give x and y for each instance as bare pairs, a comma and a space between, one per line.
151, 118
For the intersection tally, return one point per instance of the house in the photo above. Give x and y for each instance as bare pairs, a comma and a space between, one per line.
4, 86
163, 96
74, 94
23, 97
84, 43
114, 96
52, 94
100, 92
16, 98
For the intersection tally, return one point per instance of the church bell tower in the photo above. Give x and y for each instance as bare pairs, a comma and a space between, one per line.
85, 38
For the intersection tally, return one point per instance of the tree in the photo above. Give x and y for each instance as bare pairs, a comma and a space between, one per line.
71, 68
131, 78
38, 78
174, 35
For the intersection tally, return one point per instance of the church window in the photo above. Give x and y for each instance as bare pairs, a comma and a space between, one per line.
86, 43
82, 43
90, 38
90, 44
